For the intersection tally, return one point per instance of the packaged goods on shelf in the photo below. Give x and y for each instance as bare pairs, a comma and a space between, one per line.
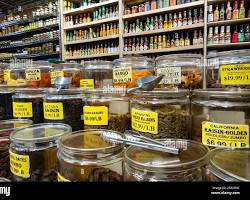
71, 5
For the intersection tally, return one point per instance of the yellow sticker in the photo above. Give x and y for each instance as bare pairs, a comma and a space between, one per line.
53, 111
225, 135
145, 121
122, 75
60, 178
33, 74
95, 115
56, 74
6, 75
22, 109
236, 74
20, 165
87, 83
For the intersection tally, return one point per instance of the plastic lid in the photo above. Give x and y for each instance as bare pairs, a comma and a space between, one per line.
68, 65
31, 91
193, 155
40, 133
222, 92
162, 92
230, 164
98, 64
134, 61
233, 53
72, 91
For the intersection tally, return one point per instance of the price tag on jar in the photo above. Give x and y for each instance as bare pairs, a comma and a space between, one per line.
20, 165
33, 74
56, 74
122, 75
145, 121
87, 83
225, 135
172, 75
53, 111
6, 75
22, 109
236, 74
95, 115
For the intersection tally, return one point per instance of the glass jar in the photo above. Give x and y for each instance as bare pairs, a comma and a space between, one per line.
38, 75
229, 69
85, 156
6, 127
161, 113
64, 106
221, 117
28, 104
230, 165
152, 166
33, 152
67, 70
106, 110
128, 70
2, 68
180, 70
15, 76
6, 111
96, 74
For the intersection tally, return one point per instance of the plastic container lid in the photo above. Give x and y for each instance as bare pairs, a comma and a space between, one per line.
134, 62
230, 164
161, 92
222, 92
98, 64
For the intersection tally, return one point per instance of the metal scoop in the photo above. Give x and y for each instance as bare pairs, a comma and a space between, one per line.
62, 83
147, 83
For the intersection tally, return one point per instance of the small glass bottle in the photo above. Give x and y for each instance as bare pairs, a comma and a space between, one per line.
200, 37
222, 35
210, 13
247, 33
160, 23
159, 42
190, 20
216, 14
195, 38
228, 11
201, 17
235, 36
242, 10
182, 41
184, 21
222, 12
241, 35
175, 21
172, 44
179, 20
195, 18
235, 10
210, 35
216, 35
177, 41
187, 40
155, 42
170, 21
166, 22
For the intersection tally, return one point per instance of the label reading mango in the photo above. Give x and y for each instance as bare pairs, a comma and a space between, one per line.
145, 121
95, 115
225, 135
6, 75
60, 178
236, 74
20, 165
56, 74
87, 83
33, 74
122, 75
53, 111
22, 109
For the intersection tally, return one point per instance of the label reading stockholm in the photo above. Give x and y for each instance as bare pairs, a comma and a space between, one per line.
22, 109
122, 75
236, 74
60, 178
145, 121
87, 83
33, 74
95, 115
172, 75
53, 111
56, 74
225, 135
20, 165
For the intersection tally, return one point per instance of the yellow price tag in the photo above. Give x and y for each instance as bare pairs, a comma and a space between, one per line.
95, 115
87, 83
56, 74
22, 109
53, 111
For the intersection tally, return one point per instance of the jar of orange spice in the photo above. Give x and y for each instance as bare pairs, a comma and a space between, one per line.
128, 70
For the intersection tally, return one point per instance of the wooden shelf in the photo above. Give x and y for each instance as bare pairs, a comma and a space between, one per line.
93, 23
90, 8
189, 27
228, 22
93, 56
217, 1
163, 10
165, 50
231, 45
92, 40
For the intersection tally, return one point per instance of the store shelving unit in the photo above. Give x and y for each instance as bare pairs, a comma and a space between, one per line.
238, 45
94, 56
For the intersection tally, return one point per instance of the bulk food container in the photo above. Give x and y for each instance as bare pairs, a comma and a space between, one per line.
107, 110
28, 104
67, 70
85, 156
33, 152
161, 113
15, 76
229, 69
6, 127
96, 74
230, 165
152, 166
64, 106
128, 70
2, 68
180, 70
221, 117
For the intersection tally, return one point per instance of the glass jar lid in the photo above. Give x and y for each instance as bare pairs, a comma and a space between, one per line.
98, 64
192, 155
31, 91
135, 62
161, 92
40, 133
230, 164
68, 65
71, 91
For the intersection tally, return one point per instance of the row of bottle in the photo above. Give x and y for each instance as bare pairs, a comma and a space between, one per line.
170, 21
70, 5
236, 12
226, 37
95, 32
163, 41
92, 49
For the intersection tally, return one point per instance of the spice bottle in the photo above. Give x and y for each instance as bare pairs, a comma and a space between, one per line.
201, 17
195, 18
190, 20
222, 13
200, 37
216, 13
175, 21
185, 20
182, 42
235, 36
216, 35
170, 21
187, 40
235, 10
222, 35
210, 13
210, 35
153, 4
242, 10
166, 22
195, 38
228, 11
228, 35
241, 35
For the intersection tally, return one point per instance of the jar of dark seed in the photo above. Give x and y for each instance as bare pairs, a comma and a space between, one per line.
64, 106
161, 113
28, 104
107, 110
6, 127
85, 156
153, 166
33, 152
6, 103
